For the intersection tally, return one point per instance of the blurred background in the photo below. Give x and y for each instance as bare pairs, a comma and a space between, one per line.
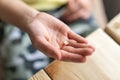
19, 59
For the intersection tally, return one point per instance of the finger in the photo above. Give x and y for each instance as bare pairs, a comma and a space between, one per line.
65, 16
71, 9
85, 14
79, 51
81, 14
68, 16
50, 50
75, 44
75, 16
67, 56
76, 37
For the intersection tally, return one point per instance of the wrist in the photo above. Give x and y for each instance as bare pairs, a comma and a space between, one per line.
32, 23
27, 20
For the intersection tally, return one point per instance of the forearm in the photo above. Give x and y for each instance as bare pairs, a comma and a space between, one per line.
16, 12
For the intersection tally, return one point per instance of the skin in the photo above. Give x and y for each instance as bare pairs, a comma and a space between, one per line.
76, 9
46, 32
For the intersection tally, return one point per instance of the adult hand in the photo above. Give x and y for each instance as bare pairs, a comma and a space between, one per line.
76, 9
56, 40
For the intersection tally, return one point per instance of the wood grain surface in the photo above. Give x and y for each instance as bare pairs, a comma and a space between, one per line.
41, 75
113, 28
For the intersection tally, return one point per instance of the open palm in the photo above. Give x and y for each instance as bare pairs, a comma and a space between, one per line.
48, 34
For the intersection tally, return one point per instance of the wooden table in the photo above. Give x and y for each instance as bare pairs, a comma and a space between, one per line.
113, 28
104, 64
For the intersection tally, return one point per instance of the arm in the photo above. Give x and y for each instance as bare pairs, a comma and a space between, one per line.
47, 33
76, 9
16, 12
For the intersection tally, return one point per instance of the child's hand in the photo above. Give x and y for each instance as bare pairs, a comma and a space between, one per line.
76, 9
56, 40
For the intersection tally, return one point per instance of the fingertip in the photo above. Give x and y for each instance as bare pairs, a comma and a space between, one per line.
87, 52
90, 52
83, 60
92, 47
85, 41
